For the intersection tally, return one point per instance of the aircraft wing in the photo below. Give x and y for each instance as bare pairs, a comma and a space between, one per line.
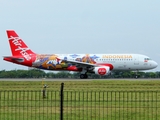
79, 64
90, 66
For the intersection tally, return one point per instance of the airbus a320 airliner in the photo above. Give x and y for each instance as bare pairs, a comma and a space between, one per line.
101, 64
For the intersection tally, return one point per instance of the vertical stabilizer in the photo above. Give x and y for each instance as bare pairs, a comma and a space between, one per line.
18, 47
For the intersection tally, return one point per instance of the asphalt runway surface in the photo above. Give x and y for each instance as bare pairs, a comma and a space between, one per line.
70, 79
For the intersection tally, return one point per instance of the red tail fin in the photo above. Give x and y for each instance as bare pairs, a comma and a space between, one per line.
18, 47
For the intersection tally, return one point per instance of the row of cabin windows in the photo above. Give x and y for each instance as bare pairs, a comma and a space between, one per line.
106, 59
111, 59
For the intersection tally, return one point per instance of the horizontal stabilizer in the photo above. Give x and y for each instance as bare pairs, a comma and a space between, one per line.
13, 58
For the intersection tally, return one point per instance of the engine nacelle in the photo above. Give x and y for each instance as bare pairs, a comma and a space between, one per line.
102, 70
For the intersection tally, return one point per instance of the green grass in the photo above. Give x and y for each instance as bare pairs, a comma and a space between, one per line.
100, 85
88, 100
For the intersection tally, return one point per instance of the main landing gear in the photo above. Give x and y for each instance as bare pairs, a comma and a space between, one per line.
83, 76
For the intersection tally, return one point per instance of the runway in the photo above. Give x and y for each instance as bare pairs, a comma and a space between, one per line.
70, 79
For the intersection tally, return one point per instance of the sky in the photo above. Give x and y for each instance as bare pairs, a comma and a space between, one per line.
82, 26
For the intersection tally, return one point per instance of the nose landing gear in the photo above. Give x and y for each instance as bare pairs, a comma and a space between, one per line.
136, 75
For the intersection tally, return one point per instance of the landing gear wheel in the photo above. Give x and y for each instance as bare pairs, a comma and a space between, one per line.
86, 76
83, 76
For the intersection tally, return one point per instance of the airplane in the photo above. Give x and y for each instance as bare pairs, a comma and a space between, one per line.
100, 64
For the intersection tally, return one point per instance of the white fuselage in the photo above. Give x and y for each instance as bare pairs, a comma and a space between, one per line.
119, 61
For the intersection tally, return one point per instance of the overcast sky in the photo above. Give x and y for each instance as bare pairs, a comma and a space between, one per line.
82, 26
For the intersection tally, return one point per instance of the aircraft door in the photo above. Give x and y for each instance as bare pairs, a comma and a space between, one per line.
136, 61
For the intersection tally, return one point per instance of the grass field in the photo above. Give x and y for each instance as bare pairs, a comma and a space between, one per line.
83, 100
98, 85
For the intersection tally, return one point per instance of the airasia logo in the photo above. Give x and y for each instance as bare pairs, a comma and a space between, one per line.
23, 51
102, 71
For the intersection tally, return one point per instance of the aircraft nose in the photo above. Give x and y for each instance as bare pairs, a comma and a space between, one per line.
155, 64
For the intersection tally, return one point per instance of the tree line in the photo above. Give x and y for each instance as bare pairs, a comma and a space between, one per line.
36, 73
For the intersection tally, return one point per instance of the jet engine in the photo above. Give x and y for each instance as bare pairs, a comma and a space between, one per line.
102, 70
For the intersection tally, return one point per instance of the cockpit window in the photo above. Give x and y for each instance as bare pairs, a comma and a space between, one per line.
147, 58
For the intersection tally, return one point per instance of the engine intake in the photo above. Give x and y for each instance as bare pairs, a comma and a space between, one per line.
102, 70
